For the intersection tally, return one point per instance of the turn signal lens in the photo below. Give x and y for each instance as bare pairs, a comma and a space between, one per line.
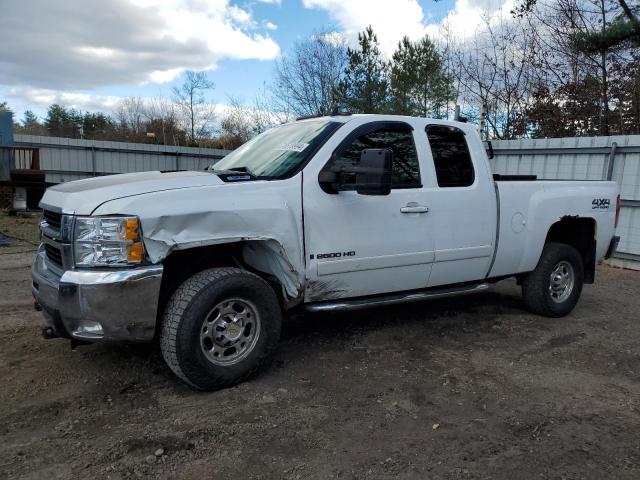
135, 252
131, 229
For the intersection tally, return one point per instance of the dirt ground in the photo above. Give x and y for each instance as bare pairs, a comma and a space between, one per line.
472, 387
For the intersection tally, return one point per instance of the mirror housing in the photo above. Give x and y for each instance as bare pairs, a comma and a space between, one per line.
372, 176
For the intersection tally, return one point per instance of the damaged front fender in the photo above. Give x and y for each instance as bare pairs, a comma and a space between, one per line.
265, 216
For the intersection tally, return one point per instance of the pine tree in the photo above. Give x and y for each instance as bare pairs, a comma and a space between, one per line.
403, 78
365, 87
97, 125
61, 122
31, 124
419, 85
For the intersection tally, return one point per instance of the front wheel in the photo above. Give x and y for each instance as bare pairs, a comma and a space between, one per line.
554, 287
219, 327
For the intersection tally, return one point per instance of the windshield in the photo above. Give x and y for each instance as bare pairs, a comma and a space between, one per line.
279, 151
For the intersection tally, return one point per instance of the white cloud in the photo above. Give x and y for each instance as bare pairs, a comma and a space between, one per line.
270, 26
80, 45
40, 98
469, 16
334, 38
392, 20
271, 2
164, 76
240, 16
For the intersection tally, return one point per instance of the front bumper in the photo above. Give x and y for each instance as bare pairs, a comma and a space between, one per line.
100, 304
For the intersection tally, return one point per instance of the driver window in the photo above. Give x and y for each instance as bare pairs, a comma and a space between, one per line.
405, 171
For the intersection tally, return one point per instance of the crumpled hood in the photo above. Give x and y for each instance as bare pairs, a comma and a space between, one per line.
83, 196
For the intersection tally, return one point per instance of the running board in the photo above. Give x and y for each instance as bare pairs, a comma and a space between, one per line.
378, 301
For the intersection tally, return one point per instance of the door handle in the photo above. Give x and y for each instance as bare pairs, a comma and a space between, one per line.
414, 207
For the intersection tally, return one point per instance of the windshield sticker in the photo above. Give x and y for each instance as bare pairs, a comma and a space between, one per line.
292, 147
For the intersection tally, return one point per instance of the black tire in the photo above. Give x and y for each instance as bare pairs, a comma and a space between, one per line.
536, 286
184, 320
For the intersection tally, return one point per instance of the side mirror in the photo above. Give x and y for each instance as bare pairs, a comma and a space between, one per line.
372, 176
374, 173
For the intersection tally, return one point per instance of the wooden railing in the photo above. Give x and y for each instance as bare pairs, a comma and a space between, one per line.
21, 158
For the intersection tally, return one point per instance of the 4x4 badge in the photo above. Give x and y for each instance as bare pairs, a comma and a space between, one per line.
600, 203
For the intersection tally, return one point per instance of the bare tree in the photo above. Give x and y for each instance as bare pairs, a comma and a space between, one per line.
236, 126
154, 119
130, 115
161, 115
306, 78
189, 97
266, 113
240, 122
569, 58
495, 69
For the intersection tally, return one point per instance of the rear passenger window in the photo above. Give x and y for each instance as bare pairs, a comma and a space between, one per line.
405, 172
451, 156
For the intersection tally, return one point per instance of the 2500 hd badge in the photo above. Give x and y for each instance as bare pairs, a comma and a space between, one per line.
351, 253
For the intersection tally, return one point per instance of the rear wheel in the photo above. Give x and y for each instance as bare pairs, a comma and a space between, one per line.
554, 287
220, 327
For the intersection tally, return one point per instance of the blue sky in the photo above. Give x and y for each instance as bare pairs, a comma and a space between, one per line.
294, 22
90, 60
245, 78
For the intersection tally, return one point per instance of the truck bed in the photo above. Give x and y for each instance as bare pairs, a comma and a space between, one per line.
528, 209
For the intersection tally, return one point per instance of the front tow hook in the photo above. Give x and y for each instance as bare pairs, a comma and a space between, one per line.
48, 333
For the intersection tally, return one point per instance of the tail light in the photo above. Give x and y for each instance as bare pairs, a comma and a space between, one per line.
617, 211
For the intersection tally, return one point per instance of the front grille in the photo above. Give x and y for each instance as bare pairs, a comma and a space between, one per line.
52, 218
55, 230
54, 254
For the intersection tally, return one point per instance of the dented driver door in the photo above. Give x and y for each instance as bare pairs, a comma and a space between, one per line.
359, 245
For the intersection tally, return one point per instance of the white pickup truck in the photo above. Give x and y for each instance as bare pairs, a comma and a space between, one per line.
323, 214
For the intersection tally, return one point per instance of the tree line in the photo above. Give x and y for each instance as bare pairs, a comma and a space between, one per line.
555, 69
549, 68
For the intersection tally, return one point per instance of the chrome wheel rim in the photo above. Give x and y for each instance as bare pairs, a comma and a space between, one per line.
230, 331
561, 281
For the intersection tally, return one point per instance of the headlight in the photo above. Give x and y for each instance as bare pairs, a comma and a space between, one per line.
107, 241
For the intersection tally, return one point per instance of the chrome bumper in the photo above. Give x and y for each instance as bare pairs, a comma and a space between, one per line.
98, 305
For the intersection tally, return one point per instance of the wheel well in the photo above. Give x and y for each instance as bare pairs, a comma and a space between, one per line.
580, 233
183, 264
180, 265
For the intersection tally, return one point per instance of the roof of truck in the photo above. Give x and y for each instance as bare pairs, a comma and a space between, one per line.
347, 117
